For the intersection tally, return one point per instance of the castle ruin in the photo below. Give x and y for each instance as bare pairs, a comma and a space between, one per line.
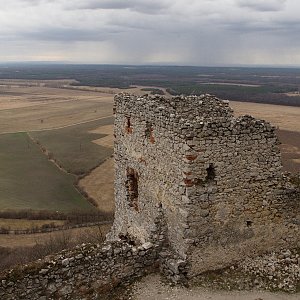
213, 180
196, 189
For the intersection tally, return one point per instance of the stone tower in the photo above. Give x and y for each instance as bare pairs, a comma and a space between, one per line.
212, 179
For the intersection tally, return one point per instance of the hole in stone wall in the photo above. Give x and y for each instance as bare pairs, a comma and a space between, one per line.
132, 188
127, 238
128, 126
148, 130
211, 174
249, 223
149, 133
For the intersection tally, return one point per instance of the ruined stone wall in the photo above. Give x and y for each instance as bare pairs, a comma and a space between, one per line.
235, 210
86, 272
149, 146
216, 177
150, 142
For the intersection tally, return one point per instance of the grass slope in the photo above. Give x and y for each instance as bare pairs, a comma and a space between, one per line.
28, 180
73, 146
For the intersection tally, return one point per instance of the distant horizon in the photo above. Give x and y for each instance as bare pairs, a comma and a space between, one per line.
267, 66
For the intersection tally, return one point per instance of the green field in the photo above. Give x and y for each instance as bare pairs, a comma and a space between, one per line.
73, 147
28, 180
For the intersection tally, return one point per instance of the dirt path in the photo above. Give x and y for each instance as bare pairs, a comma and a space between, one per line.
151, 288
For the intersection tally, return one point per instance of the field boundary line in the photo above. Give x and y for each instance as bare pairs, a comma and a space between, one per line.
53, 160
56, 128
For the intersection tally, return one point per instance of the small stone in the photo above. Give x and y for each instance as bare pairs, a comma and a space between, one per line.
65, 262
43, 271
147, 245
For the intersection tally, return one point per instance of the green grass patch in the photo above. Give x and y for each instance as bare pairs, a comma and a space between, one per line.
28, 180
73, 147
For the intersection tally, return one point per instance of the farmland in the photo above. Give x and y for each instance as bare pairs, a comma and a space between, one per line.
52, 115
28, 180
260, 85
73, 147
58, 131
55, 123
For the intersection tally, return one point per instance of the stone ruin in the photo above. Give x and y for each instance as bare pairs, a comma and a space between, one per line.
196, 189
211, 181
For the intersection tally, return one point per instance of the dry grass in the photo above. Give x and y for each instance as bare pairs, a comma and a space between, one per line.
23, 93
28, 248
26, 108
285, 117
290, 150
137, 89
107, 141
54, 115
29, 240
99, 185
23, 224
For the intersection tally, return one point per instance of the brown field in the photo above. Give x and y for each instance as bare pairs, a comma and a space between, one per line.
28, 108
290, 150
285, 117
107, 141
137, 89
102, 176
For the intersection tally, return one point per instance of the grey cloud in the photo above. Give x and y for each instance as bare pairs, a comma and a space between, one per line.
68, 35
139, 31
32, 2
143, 6
262, 5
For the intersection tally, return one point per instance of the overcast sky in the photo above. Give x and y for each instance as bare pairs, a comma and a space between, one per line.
182, 32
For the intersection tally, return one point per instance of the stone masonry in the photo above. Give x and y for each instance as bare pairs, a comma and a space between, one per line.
216, 178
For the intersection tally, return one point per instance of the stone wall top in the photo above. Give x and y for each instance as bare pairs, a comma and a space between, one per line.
204, 106
191, 113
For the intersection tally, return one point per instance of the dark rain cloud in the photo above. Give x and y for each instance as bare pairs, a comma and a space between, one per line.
142, 6
263, 5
